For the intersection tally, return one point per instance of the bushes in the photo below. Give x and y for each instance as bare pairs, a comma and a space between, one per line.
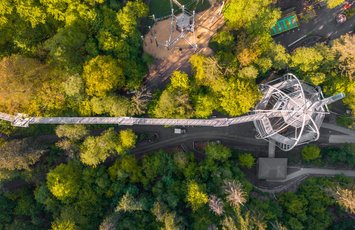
246, 160
310, 152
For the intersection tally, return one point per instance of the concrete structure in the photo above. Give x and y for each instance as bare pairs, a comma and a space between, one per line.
272, 168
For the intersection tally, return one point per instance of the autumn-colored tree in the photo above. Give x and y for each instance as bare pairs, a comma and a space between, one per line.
29, 86
195, 196
235, 193
216, 205
19, 154
345, 197
102, 74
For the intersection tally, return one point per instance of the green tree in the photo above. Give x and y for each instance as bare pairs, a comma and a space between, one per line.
195, 196
310, 152
239, 97
173, 105
306, 59
64, 181
246, 160
72, 132
240, 14
95, 150
219, 152
102, 74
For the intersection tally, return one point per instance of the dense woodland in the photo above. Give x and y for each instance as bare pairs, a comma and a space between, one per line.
85, 57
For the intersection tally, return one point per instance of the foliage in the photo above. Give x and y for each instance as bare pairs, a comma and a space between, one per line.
333, 3
345, 197
195, 196
235, 193
246, 160
63, 225
239, 14
95, 150
63, 181
19, 154
343, 155
38, 88
72, 132
239, 97
310, 152
102, 74
217, 152
128, 204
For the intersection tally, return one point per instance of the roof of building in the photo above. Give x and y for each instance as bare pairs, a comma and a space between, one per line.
272, 168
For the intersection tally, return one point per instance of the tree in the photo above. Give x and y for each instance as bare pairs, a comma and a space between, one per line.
345, 197
217, 152
235, 194
216, 205
140, 101
173, 105
102, 74
205, 104
19, 154
344, 48
239, 97
310, 152
306, 59
72, 132
73, 86
195, 196
333, 3
208, 72
29, 86
294, 204
246, 160
95, 150
240, 14
61, 224
117, 106
128, 203
64, 181
180, 81
127, 139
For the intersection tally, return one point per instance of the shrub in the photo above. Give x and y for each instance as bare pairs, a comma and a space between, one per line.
310, 152
246, 160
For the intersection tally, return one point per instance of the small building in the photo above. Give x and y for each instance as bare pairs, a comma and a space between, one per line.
272, 168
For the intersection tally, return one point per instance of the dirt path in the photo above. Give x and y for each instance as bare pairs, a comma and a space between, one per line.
207, 24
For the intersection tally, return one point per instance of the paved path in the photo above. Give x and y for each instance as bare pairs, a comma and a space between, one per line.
300, 175
339, 139
338, 129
